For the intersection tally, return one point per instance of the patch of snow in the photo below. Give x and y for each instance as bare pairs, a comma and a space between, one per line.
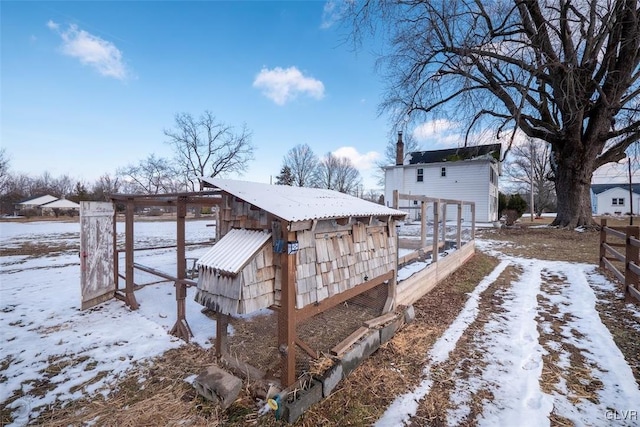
83, 352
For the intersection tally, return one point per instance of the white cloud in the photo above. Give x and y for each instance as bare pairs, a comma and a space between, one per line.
284, 84
52, 25
362, 162
332, 12
434, 129
100, 54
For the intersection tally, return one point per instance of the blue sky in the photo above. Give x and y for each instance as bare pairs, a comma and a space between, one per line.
88, 87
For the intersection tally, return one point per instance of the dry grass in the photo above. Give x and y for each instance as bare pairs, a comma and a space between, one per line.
156, 394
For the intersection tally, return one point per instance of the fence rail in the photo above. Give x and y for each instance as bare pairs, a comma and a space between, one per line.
629, 239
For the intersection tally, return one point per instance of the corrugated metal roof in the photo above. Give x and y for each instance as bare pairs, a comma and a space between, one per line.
39, 200
234, 250
62, 203
300, 203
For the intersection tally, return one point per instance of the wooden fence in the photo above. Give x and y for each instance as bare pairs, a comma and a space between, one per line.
419, 284
611, 252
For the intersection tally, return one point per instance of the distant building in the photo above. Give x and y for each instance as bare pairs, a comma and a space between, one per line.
613, 199
35, 203
467, 173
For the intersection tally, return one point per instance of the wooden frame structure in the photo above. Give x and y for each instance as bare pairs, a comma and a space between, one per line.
609, 253
180, 201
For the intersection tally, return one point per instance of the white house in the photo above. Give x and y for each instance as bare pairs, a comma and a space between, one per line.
614, 199
466, 173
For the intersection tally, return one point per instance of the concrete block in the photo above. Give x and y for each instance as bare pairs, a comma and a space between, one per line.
360, 351
409, 314
387, 332
331, 379
304, 399
218, 386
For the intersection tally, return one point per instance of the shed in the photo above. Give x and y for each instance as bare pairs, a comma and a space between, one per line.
340, 242
61, 204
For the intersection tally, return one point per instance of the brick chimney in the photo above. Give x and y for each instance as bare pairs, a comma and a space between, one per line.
399, 150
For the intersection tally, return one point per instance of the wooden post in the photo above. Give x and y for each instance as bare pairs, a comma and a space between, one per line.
459, 228
181, 329
396, 197
436, 231
286, 315
222, 321
444, 222
632, 255
603, 240
116, 256
473, 220
130, 298
423, 224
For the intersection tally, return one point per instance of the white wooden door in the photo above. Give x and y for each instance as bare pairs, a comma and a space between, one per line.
96, 253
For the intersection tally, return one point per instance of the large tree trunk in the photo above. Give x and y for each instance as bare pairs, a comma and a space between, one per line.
573, 189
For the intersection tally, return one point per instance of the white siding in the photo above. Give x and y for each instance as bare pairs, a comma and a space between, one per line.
604, 201
465, 180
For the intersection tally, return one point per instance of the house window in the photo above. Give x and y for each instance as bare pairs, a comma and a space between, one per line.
443, 172
617, 201
415, 202
420, 176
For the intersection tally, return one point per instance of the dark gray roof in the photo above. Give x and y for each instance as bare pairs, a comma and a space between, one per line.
455, 154
601, 188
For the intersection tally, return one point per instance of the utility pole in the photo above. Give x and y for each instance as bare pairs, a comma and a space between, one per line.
630, 194
531, 150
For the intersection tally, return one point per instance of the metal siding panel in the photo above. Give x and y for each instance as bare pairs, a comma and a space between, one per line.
299, 203
234, 250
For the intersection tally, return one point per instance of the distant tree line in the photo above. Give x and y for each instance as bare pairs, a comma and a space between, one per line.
203, 147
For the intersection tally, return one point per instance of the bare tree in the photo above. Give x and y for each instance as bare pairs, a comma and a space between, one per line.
564, 72
105, 186
303, 164
153, 175
205, 147
4, 169
338, 173
529, 165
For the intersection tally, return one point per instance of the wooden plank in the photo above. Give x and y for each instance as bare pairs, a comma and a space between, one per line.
634, 292
300, 225
287, 316
617, 255
615, 233
380, 320
303, 345
343, 346
242, 368
613, 269
634, 242
345, 294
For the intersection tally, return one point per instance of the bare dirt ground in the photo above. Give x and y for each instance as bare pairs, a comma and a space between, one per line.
156, 394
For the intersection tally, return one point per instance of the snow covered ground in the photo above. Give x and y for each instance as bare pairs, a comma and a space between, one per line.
45, 336
510, 351
44, 333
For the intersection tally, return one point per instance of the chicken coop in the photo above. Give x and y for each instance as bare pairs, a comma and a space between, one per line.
298, 252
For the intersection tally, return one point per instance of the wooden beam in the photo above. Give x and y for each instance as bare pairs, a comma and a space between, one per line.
324, 305
130, 298
307, 348
436, 231
301, 225
222, 346
287, 314
181, 328
339, 349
